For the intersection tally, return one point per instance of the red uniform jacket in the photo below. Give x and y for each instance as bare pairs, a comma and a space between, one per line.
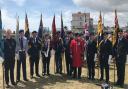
76, 51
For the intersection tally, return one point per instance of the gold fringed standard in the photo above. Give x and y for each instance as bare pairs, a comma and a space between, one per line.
3, 75
54, 63
63, 61
114, 71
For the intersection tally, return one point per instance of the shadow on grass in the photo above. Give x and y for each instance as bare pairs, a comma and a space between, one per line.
38, 83
98, 83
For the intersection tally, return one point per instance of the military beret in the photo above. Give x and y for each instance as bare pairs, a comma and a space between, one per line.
21, 30
34, 32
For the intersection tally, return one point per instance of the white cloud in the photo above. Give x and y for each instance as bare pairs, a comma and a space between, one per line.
19, 2
109, 18
7, 21
104, 5
107, 7
1, 1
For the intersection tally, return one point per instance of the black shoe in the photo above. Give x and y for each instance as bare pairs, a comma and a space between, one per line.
79, 77
17, 81
117, 84
43, 74
121, 85
93, 78
48, 74
26, 80
7, 86
107, 81
31, 77
89, 78
60, 73
13, 83
74, 77
101, 79
56, 72
38, 75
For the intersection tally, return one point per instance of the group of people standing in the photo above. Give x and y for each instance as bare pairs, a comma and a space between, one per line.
76, 47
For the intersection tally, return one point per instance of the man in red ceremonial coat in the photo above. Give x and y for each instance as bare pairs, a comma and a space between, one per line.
76, 54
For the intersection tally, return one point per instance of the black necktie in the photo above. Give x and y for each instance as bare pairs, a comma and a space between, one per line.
21, 43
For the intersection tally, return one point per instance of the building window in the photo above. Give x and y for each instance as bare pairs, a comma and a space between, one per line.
80, 18
80, 23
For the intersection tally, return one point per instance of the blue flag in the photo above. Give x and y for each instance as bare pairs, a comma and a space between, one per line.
40, 31
1, 41
0, 26
62, 28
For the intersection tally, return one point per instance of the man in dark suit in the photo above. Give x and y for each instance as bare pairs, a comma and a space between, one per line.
121, 51
9, 56
22, 50
67, 54
58, 52
46, 55
105, 51
90, 55
34, 52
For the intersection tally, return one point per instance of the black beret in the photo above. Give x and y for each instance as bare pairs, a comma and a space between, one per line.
34, 32
21, 30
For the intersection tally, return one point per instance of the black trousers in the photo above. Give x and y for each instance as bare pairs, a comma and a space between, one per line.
22, 60
91, 68
77, 72
34, 60
58, 60
69, 67
104, 65
120, 64
9, 64
46, 63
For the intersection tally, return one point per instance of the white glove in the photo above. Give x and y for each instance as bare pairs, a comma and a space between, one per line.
85, 58
17, 57
52, 52
127, 59
110, 59
1, 59
95, 58
71, 56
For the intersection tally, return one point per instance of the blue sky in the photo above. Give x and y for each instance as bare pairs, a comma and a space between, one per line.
50, 7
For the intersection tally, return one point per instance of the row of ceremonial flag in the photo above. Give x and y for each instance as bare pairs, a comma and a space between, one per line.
100, 28
41, 35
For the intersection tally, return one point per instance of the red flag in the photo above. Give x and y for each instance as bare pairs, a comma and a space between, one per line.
116, 22
62, 28
54, 30
115, 35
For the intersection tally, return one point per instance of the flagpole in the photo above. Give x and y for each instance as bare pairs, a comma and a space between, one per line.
2, 45
99, 32
116, 34
62, 37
